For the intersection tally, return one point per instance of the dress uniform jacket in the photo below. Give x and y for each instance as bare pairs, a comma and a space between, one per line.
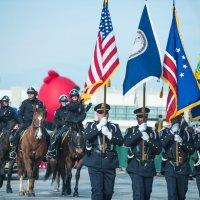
185, 149
152, 148
95, 158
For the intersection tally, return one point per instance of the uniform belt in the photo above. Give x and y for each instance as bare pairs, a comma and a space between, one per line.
181, 160
148, 157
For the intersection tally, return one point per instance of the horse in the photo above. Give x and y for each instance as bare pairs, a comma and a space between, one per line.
4, 154
31, 151
70, 156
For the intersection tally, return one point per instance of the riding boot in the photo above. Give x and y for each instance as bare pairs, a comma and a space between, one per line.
53, 148
14, 141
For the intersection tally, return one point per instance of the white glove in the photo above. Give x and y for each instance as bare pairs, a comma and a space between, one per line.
103, 122
106, 132
145, 136
175, 128
177, 138
197, 129
143, 127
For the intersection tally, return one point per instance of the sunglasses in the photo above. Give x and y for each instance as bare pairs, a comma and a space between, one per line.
102, 112
141, 116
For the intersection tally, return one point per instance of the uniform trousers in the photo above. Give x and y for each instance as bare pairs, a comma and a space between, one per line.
141, 186
102, 183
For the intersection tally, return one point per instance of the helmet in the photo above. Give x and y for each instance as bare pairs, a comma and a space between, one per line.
5, 98
74, 92
63, 98
31, 90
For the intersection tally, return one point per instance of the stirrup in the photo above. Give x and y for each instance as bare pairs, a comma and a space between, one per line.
52, 154
12, 154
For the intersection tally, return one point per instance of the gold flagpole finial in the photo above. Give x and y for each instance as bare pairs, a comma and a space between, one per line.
105, 1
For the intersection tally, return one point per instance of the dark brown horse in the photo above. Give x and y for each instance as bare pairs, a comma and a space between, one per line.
31, 151
4, 154
70, 156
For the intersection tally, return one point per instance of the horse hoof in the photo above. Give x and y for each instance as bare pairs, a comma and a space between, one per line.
22, 193
1, 180
69, 191
9, 190
76, 194
64, 193
56, 190
31, 194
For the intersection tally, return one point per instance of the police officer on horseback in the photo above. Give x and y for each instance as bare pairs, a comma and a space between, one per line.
59, 121
144, 145
8, 116
178, 145
25, 117
101, 157
73, 113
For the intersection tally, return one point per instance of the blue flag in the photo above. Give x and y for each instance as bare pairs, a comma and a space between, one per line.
184, 92
144, 63
195, 113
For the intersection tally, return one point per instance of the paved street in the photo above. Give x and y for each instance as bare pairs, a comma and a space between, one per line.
44, 190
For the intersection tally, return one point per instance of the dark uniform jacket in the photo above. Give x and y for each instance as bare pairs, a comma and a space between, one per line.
95, 158
7, 114
185, 149
26, 110
60, 116
196, 169
152, 148
76, 111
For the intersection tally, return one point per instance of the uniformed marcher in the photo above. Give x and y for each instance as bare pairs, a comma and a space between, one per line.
25, 117
177, 143
8, 116
196, 169
102, 164
144, 145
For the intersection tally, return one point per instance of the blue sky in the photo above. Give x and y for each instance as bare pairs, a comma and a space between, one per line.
38, 35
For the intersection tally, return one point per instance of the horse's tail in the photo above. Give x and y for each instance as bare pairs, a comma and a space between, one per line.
51, 167
55, 174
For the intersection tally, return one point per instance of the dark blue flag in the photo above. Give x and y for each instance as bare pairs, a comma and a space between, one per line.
144, 63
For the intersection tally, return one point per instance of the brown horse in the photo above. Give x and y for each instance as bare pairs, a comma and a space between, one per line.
31, 151
70, 156
4, 153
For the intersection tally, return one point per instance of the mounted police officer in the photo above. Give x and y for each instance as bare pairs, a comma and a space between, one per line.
144, 145
101, 159
177, 143
196, 169
73, 116
61, 114
8, 116
25, 117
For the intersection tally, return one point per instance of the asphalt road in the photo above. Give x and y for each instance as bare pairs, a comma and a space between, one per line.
44, 190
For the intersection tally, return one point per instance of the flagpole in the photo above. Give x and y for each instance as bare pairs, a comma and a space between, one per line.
144, 102
104, 101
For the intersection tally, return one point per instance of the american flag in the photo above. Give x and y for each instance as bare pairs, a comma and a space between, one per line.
183, 93
105, 60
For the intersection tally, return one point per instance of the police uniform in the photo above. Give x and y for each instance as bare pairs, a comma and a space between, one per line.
8, 118
176, 174
102, 165
25, 115
67, 116
196, 169
141, 169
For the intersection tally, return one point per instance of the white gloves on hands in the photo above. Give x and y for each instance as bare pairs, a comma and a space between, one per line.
106, 132
177, 138
175, 128
143, 127
145, 136
102, 123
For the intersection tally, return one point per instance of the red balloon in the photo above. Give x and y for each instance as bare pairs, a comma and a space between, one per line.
53, 87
